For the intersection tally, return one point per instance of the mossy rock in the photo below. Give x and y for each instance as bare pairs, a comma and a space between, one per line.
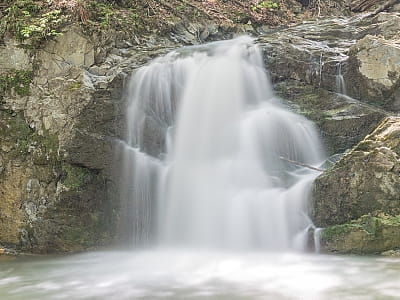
75, 177
17, 80
364, 181
26, 143
370, 234
343, 122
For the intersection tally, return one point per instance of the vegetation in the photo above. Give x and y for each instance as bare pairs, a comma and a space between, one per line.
32, 21
43, 148
17, 80
269, 4
28, 19
371, 224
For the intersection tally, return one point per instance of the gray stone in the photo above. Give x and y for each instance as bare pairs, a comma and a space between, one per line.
13, 57
375, 71
364, 181
343, 121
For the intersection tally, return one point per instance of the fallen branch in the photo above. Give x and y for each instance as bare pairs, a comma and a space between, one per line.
297, 163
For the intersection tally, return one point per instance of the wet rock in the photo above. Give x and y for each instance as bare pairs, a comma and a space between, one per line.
310, 52
370, 234
364, 50
364, 181
343, 121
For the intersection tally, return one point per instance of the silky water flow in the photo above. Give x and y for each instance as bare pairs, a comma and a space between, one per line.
210, 158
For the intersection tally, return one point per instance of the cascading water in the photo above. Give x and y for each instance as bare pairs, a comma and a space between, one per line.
340, 84
209, 149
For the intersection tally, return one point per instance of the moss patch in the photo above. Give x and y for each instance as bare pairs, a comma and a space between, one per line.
17, 80
75, 177
370, 234
333, 232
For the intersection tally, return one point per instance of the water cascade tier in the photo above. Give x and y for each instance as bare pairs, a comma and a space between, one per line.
212, 158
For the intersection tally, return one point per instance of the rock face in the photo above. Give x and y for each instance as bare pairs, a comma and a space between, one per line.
59, 122
13, 57
343, 121
375, 71
364, 51
56, 153
364, 182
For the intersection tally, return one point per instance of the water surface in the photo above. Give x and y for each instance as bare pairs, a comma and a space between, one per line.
186, 274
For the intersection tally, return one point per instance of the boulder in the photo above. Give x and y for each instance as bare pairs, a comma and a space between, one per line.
364, 181
374, 71
370, 234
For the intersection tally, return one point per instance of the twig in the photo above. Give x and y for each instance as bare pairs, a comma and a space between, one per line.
301, 164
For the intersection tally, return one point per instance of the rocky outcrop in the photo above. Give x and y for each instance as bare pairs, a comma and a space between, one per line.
61, 114
370, 234
363, 51
343, 121
375, 71
364, 182
13, 57
56, 178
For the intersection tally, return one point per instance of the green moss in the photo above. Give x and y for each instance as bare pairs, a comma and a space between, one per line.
19, 80
46, 148
74, 86
370, 234
107, 15
269, 4
372, 224
333, 232
26, 141
18, 133
75, 177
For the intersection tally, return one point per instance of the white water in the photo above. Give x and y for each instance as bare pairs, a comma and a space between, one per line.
222, 180
172, 274
340, 83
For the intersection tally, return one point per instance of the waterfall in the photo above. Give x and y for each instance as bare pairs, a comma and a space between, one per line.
340, 84
207, 151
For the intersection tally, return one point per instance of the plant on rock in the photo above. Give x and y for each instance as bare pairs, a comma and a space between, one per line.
269, 4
